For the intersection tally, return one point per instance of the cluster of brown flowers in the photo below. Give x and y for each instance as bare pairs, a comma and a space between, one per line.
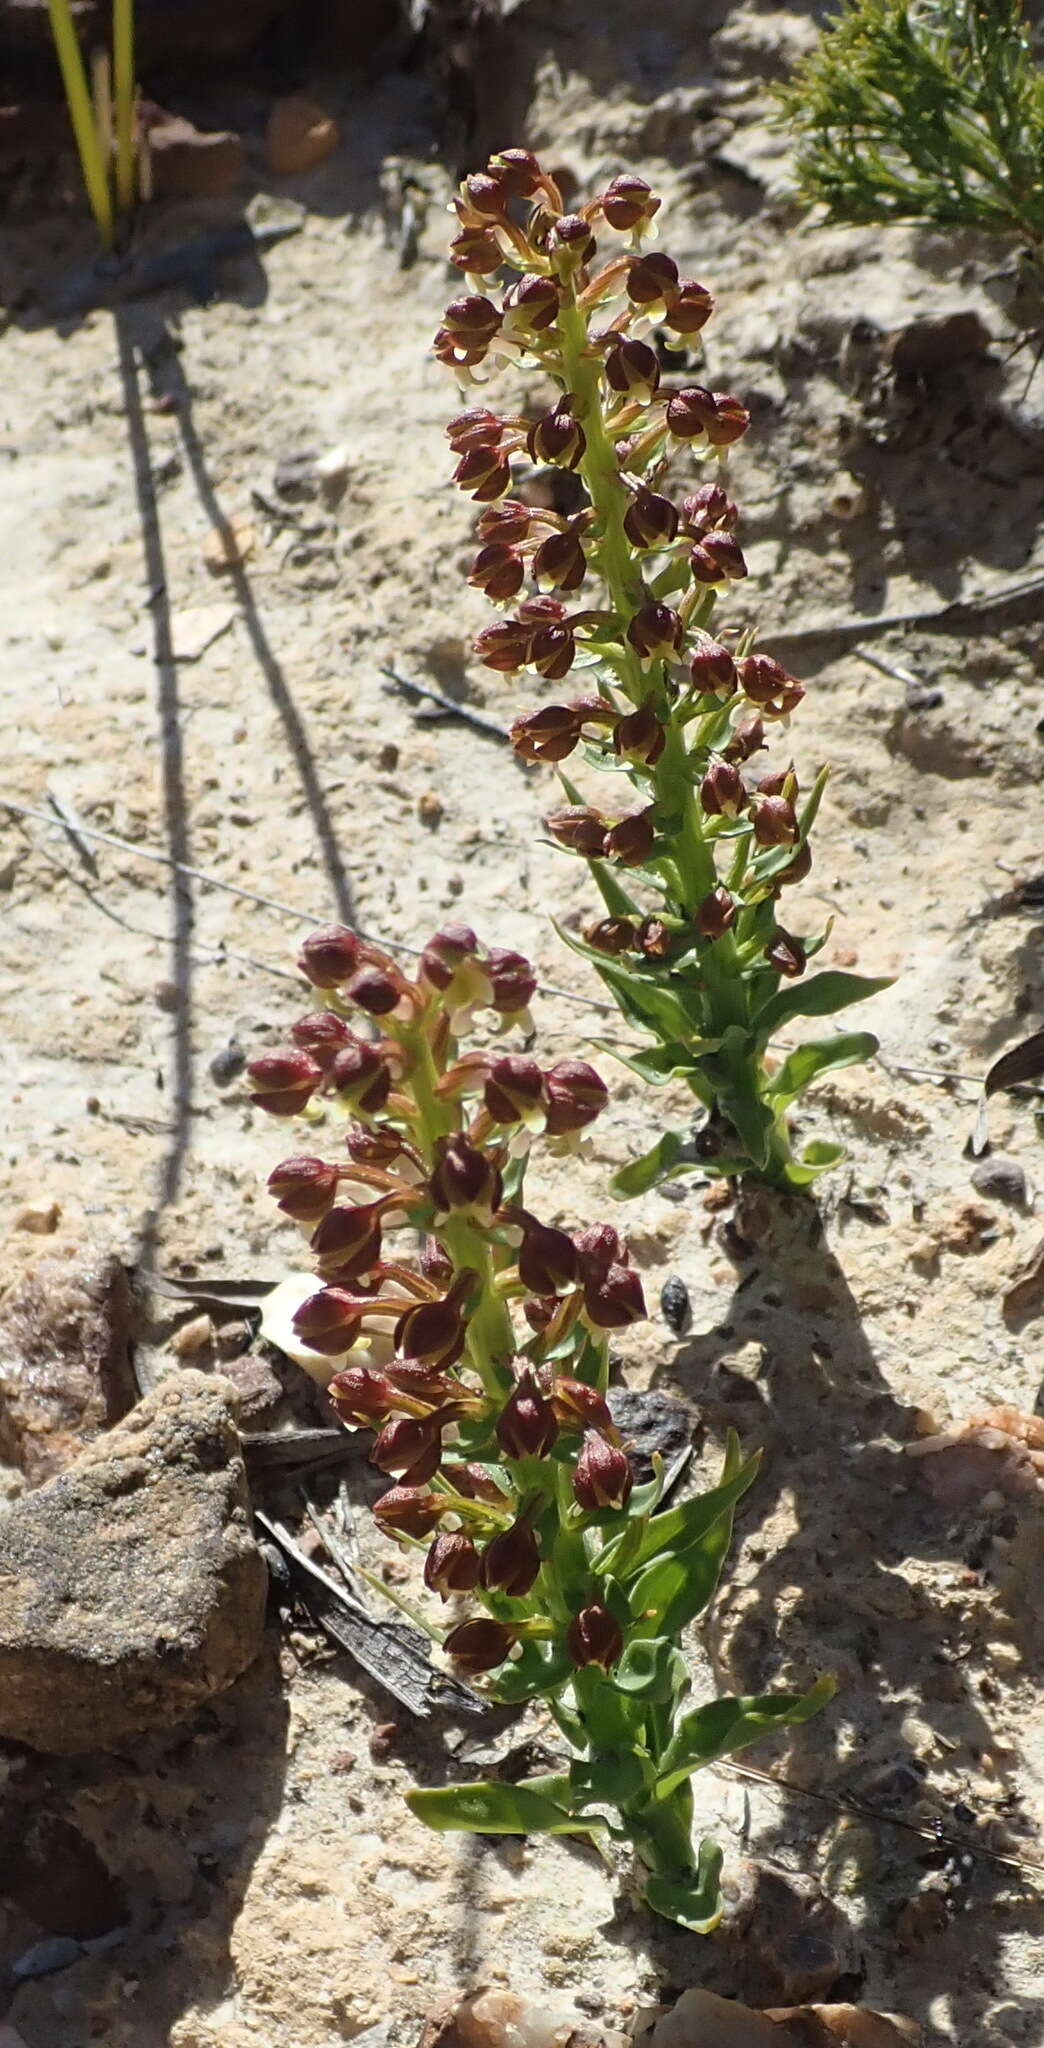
480, 1362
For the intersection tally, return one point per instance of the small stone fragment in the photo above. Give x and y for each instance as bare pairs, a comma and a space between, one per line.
65, 1357
40, 1218
795, 1941
937, 342
1000, 1178
674, 1303
193, 1337
430, 810
229, 545
650, 1422
227, 1065
186, 162
501, 2019
299, 135
131, 1588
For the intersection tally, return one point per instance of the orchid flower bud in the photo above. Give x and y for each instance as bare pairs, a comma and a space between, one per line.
347, 1243
329, 1321
579, 829
329, 956
599, 1247
531, 306
475, 1483
786, 954
361, 1076
614, 1300
557, 436
512, 983
547, 1261
631, 839
446, 952
695, 411
526, 1426
486, 193
602, 1475
375, 1148
713, 670
550, 734
376, 990
552, 651
654, 939
433, 1333
464, 1180
768, 685
504, 646
580, 1407
477, 427
775, 821
518, 171
514, 1090
452, 1564
650, 521
594, 1636
632, 369
576, 1095
655, 633
322, 1035
283, 1082
361, 1397
409, 1444
715, 915
722, 793
730, 422
560, 560
478, 1646
304, 1188
651, 280
640, 735
571, 241
498, 571
472, 322
717, 558
477, 251
510, 522
707, 507
628, 202
747, 740
689, 308
511, 1561
409, 1511
483, 472
795, 870
612, 935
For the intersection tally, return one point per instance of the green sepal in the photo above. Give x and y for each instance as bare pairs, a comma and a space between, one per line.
653, 1166
679, 1527
539, 1807
818, 997
608, 1780
696, 1906
652, 1668
820, 1056
726, 1725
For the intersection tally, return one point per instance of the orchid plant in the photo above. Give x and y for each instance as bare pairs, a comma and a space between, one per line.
691, 941
481, 1362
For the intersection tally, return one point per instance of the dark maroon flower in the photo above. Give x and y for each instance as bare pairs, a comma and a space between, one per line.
594, 1636
550, 734
689, 308
768, 685
639, 735
547, 1261
576, 1095
651, 279
484, 473
322, 1035
472, 322
452, 1564
514, 1085
347, 1243
722, 793
655, 632
715, 915
557, 436
628, 201
283, 1082
433, 1333
361, 1397
304, 1188
717, 558
464, 1178
410, 1444
511, 1561
631, 369
786, 954
446, 952
498, 571
602, 1475
579, 829
571, 237
578, 1406
409, 1511
329, 1321
526, 1426
650, 521
631, 839
552, 651
709, 506
614, 1300
510, 522
505, 646
478, 1646
713, 669
477, 251
329, 956
361, 1075
560, 559
531, 306
511, 979
775, 821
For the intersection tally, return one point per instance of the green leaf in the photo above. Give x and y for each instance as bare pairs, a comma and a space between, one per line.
819, 1156
540, 1670
662, 1063
696, 1906
652, 1668
486, 1808
644, 1000
607, 1780
610, 1719
821, 1056
820, 996
653, 1166
726, 1725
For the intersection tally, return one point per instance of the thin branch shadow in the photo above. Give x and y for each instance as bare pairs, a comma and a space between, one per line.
172, 765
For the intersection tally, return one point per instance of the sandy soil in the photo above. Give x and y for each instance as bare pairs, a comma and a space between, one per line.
279, 1891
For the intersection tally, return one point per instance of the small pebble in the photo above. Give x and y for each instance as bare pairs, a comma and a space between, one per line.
430, 810
674, 1303
167, 997
193, 1337
227, 1064
41, 1218
1001, 1177
388, 758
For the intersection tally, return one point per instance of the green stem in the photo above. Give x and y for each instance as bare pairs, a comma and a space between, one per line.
81, 114
123, 93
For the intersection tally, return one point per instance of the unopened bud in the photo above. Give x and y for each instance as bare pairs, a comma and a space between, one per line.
631, 839
452, 1564
510, 521
557, 437
713, 670
376, 990
578, 1406
640, 735
283, 1082
614, 1300
464, 1179
304, 1188
498, 571
547, 1261
361, 1397
689, 308
650, 521
512, 981
571, 241
478, 1646
381, 1147
721, 792
526, 1426
575, 1094
550, 734
747, 740
717, 558
433, 1333
775, 821
347, 1243
628, 202
655, 632
651, 280
486, 193
329, 956
786, 954
514, 1089
409, 1511
602, 1475
511, 1561
329, 1321
409, 1444
594, 1636
715, 915
475, 428
612, 935
322, 1035
632, 369
579, 829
